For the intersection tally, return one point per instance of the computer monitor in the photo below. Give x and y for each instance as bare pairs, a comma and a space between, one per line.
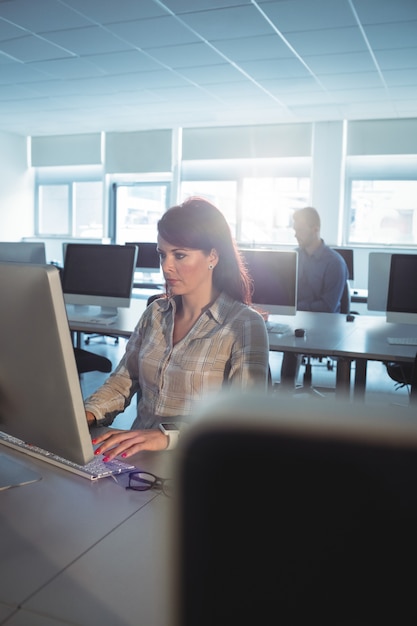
148, 272
402, 289
295, 513
40, 396
23, 252
147, 260
98, 275
274, 275
379, 264
347, 255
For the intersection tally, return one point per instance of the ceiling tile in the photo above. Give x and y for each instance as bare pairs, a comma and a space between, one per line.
241, 21
41, 16
153, 33
186, 55
32, 48
287, 16
87, 40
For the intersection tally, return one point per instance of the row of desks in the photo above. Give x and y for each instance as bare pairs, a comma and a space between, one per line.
327, 334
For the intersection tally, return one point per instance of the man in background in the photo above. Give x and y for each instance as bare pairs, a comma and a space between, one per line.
322, 276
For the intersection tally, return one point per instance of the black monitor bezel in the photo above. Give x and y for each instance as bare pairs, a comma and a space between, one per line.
75, 252
146, 250
271, 299
402, 294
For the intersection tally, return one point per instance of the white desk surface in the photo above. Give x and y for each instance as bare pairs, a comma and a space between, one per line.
323, 332
327, 334
81, 552
369, 340
330, 334
124, 325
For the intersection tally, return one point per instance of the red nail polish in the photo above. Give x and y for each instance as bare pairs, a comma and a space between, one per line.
105, 459
124, 455
94, 440
97, 451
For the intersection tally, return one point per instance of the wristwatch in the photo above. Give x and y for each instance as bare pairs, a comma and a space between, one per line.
170, 429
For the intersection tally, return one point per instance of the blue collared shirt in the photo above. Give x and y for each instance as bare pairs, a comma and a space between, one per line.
322, 278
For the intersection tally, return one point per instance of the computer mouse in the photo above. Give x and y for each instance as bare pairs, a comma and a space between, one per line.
350, 317
299, 332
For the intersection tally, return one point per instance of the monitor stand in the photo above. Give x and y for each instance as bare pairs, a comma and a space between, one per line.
92, 313
108, 311
15, 474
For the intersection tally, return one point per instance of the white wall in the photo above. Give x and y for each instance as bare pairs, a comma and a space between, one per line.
16, 189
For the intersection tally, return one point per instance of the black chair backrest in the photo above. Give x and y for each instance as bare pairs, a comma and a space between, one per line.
345, 300
155, 296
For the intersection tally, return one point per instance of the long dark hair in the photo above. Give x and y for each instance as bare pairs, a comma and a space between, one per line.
199, 225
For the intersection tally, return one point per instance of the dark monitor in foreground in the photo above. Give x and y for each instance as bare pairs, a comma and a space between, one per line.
23, 252
347, 255
402, 289
98, 275
40, 395
296, 513
274, 275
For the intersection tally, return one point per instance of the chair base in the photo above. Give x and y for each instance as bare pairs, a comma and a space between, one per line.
100, 336
311, 391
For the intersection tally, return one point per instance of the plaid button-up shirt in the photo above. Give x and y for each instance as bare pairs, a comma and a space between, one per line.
227, 346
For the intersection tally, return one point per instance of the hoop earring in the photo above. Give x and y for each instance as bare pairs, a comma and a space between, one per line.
210, 266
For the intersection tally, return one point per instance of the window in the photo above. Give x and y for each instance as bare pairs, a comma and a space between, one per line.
54, 216
222, 193
383, 211
267, 208
138, 207
382, 200
69, 209
257, 198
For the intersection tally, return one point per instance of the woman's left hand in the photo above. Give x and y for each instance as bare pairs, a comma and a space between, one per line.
124, 443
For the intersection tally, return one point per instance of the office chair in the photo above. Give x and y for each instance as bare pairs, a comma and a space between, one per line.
353, 484
101, 335
307, 386
404, 375
90, 362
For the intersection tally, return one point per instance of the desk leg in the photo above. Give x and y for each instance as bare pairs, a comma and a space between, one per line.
76, 338
343, 378
360, 379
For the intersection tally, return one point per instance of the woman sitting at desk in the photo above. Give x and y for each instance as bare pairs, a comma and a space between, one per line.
203, 336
